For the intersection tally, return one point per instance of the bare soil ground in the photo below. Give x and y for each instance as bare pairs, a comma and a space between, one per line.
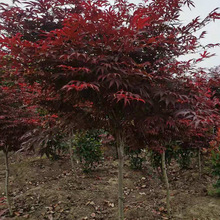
47, 190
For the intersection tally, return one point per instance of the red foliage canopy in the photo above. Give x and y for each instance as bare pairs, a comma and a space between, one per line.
117, 63
17, 112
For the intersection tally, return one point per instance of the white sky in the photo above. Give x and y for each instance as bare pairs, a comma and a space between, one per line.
202, 8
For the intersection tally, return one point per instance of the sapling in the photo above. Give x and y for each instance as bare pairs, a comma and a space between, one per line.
15, 120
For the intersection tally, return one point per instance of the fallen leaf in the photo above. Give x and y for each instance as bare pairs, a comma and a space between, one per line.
90, 203
17, 213
2, 212
161, 209
93, 215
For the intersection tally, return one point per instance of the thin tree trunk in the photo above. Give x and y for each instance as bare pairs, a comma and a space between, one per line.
7, 182
71, 156
200, 164
166, 182
120, 143
116, 151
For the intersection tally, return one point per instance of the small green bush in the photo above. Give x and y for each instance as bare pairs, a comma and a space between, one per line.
88, 149
54, 146
136, 158
215, 159
182, 156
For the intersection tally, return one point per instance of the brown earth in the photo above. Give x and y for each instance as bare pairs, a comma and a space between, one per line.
47, 190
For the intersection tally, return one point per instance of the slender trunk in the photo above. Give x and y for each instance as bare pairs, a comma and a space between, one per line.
71, 156
7, 182
166, 182
120, 143
200, 164
116, 151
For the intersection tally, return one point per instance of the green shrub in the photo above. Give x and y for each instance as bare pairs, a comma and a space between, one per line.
54, 146
88, 148
136, 158
155, 158
182, 156
215, 159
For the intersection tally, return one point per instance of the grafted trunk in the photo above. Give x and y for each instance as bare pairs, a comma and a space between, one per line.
166, 182
120, 144
7, 182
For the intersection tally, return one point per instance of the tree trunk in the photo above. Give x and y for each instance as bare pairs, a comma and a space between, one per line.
71, 156
200, 164
120, 143
116, 151
7, 182
166, 182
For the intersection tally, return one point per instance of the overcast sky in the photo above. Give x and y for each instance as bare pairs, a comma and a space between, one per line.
202, 8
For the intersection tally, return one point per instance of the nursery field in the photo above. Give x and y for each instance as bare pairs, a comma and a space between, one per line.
45, 189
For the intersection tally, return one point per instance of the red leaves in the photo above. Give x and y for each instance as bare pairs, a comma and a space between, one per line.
54, 116
93, 55
17, 111
204, 55
214, 14
79, 86
189, 3
75, 69
127, 97
111, 78
202, 35
140, 22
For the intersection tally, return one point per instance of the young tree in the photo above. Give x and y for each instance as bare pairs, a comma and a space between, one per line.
16, 114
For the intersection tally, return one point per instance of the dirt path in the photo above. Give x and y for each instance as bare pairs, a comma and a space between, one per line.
42, 189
